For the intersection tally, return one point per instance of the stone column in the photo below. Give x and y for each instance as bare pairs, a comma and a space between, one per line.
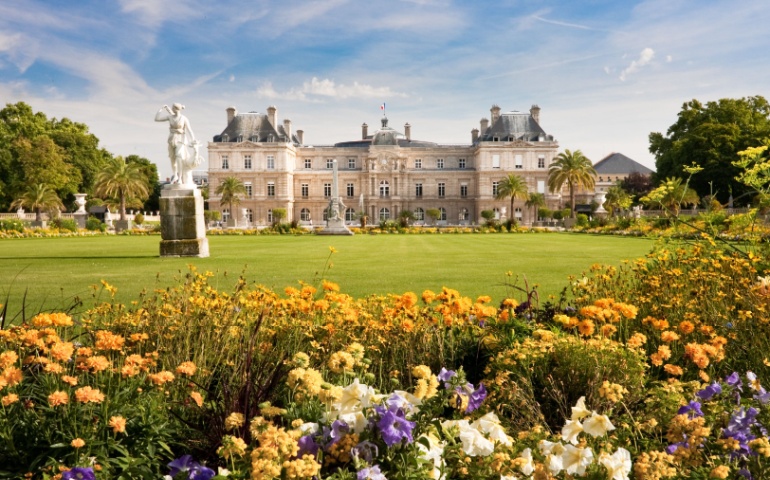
182, 226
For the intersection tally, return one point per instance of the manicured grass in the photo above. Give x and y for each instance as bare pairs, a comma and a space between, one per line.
53, 271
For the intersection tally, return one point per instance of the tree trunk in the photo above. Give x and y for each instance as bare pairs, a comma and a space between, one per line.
38, 215
122, 208
572, 214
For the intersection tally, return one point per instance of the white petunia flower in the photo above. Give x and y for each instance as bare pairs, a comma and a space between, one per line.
571, 430
553, 452
576, 460
579, 411
529, 466
490, 425
433, 454
618, 464
475, 444
597, 425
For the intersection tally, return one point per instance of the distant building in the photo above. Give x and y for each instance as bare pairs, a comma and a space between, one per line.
614, 168
200, 177
382, 173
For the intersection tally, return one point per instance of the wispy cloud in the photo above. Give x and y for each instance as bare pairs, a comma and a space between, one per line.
315, 89
153, 13
645, 57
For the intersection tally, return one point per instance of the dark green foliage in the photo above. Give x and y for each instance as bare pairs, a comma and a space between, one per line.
582, 219
12, 225
94, 224
65, 224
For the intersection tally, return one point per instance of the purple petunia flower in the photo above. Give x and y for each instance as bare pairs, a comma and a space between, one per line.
186, 464
202, 473
734, 380
79, 473
307, 445
371, 473
710, 391
693, 408
366, 451
445, 376
393, 425
476, 398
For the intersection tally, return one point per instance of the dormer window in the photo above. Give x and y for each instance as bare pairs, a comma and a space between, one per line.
240, 138
270, 137
225, 137
254, 139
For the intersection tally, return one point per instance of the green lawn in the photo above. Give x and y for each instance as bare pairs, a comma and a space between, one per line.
54, 271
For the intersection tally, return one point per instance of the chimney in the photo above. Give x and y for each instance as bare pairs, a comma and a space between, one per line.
272, 115
475, 135
535, 112
231, 113
364, 131
301, 136
484, 125
495, 113
287, 129
408, 131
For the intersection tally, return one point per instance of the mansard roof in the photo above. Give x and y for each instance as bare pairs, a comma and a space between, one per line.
254, 127
515, 126
386, 136
620, 164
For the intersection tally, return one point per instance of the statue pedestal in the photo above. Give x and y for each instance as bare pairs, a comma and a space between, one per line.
182, 226
81, 219
335, 226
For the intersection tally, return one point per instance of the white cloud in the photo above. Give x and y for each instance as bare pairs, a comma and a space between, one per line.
316, 88
669, 59
645, 57
154, 13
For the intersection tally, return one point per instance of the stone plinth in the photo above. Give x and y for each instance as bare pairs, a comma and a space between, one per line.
182, 226
335, 226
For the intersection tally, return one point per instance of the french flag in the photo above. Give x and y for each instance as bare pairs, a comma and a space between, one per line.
382, 107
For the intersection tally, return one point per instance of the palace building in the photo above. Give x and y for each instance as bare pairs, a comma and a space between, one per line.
381, 173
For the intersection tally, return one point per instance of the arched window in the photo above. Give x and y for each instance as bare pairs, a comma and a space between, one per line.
304, 215
384, 188
518, 214
442, 215
350, 215
384, 214
497, 213
419, 214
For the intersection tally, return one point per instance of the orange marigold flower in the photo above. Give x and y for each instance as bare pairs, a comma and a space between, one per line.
586, 328
84, 352
129, 371
118, 424
138, 337
58, 398
106, 340
673, 369
330, 286
161, 377
98, 364
62, 351
134, 359
89, 395
55, 368
8, 358
61, 320
197, 398
608, 330
69, 380
78, 443
428, 296
669, 336
628, 311
9, 399
510, 303
407, 325
11, 376
637, 340
186, 368
686, 327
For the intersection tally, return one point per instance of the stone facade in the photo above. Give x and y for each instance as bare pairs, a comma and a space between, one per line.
380, 174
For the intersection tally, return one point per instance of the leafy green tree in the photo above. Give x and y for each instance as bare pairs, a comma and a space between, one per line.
617, 199
671, 195
278, 215
42, 161
405, 217
230, 191
150, 171
636, 184
489, 216
574, 169
38, 198
122, 181
433, 213
514, 187
711, 135
535, 201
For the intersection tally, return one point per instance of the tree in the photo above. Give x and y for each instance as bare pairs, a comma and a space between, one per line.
574, 169
513, 186
671, 195
150, 171
230, 191
535, 201
278, 215
617, 199
39, 197
123, 182
711, 135
405, 216
636, 184
433, 213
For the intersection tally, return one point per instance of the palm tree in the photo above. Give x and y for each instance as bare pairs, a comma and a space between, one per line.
39, 198
617, 199
535, 201
574, 169
512, 186
230, 189
123, 182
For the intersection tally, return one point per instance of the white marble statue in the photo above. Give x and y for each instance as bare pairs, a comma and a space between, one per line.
182, 145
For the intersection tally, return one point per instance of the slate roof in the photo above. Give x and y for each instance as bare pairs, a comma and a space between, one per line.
385, 136
514, 126
255, 127
617, 163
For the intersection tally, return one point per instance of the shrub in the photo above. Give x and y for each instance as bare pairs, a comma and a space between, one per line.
65, 224
582, 220
544, 213
94, 224
11, 225
139, 218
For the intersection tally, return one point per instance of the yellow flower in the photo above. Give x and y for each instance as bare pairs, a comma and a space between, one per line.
118, 424
421, 371
69, 380
58, 398
197, 398
8, 358
340, 362
186, 368
161, 378
106, 340
10, 399
78, 443
586, 328
89, 395
234, 420
11, 376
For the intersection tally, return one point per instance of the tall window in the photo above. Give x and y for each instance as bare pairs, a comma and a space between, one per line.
269, 215
442, 213
417, 163
541, 186
250, 215
308, 163
518, 214
225, 163
351, 163
270, 162
305, 190
384, 188
463, 214
518, 161
350, 215
384, 214
461, 163
418, 189
351, 190
270, 189
463, 190
304, 215
419, 214
225, 214
441, 189
495, 161
327, 190
541, 161
247, 162
329, 163
495, 187
248, 189
439, 163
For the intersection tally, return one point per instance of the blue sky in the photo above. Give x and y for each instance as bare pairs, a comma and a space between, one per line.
605, 73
